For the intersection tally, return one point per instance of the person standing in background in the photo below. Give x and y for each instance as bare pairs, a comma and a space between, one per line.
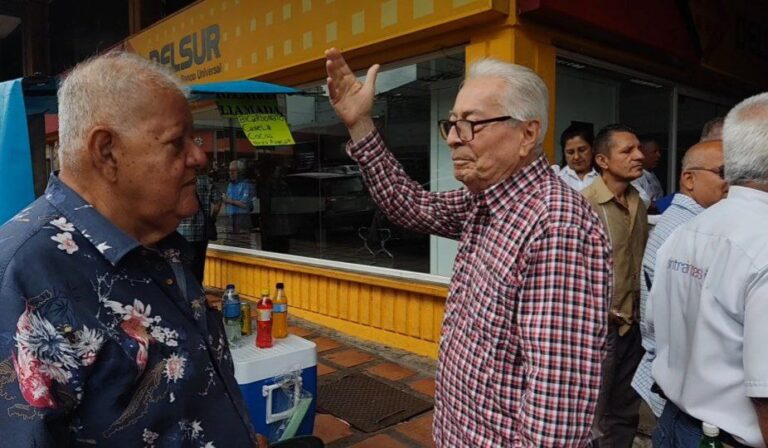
578, 172
618, 204
239, 198
648, 185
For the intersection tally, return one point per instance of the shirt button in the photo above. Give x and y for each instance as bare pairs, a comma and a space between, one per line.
169, 281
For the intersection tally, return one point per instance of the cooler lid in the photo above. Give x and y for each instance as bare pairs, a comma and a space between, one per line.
285, 356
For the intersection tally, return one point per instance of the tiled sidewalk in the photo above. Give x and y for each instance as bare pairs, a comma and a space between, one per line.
337, 358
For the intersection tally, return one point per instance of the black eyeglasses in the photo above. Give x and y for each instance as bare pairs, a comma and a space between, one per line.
719, 171
466, 128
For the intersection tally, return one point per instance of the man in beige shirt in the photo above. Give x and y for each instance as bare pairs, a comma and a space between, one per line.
620, 161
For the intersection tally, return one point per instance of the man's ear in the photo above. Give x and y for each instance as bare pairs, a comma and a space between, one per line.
601, 160
101, 143
686, 180
531, 130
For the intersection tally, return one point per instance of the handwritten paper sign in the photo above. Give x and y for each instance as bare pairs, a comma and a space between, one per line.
260, 118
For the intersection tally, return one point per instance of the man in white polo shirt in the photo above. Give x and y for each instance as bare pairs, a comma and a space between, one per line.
709, 301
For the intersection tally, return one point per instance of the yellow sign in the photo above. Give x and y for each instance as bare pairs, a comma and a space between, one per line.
221, 40
266, 129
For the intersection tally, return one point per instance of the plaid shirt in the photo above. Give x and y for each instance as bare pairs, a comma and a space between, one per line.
193, 228
523, 334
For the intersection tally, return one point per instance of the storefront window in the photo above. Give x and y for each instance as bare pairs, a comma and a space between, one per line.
597, 97
309, 199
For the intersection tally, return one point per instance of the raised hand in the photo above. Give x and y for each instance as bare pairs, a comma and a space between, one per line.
351, 99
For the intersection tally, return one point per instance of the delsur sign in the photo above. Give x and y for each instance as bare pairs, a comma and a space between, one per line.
259, 117
196, 49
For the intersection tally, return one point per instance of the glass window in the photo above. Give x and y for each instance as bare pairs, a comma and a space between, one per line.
309, 199
597, 97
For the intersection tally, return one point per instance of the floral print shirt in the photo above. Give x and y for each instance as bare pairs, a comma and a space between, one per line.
105, 342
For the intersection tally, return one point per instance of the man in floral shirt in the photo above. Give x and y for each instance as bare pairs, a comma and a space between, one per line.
105, 336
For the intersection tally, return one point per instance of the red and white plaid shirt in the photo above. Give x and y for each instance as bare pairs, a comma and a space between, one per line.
524, 329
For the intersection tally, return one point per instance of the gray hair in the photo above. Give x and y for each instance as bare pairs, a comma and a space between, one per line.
526, 97
712, 130
745, 141
107, 90
238, 164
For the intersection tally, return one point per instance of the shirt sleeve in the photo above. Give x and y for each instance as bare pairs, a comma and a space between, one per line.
563, 322
44, 364
755, 335
403, 200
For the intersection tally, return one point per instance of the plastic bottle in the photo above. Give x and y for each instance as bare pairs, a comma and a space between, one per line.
264, 320
280, 313
230, 307
709, 436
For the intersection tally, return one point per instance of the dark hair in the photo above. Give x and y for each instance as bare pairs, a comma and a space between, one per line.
605, 136
576, 130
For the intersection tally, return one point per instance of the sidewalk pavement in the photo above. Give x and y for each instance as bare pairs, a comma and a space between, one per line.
339, 355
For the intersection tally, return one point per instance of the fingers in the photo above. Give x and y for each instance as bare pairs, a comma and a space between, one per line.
370, 77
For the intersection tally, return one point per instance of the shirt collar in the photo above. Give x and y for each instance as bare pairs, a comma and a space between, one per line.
747, 194
604, 194
107, 238
571, 173
498, 196
687, 202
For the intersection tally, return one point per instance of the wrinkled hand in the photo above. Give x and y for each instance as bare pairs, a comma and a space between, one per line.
351, 99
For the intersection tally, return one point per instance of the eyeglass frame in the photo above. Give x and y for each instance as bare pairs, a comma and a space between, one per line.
719, 171
472, 123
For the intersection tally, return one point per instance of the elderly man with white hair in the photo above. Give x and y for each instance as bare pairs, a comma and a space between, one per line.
524, 329
106, 338
709, 301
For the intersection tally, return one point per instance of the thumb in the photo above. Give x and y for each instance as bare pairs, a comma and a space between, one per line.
370, 77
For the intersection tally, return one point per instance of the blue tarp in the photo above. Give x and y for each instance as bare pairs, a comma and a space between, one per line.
245, 86
16, 184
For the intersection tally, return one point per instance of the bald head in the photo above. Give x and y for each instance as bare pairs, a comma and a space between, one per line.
701, 178
700, 153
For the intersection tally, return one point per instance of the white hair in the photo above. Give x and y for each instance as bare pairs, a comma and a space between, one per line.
107, 90
526, 96
745, 141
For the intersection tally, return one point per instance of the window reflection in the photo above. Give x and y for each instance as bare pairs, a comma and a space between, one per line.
309, 199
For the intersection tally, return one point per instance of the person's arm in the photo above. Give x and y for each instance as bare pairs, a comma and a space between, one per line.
238, 195
404, 201
563, 323
38, 391
761, 408
755, 335
216, 201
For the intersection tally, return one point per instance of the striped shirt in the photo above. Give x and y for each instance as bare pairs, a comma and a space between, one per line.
523, 334
682, 210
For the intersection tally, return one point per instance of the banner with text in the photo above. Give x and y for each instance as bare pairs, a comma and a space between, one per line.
259, 116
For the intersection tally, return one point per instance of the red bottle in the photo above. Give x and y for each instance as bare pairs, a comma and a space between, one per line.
264, 320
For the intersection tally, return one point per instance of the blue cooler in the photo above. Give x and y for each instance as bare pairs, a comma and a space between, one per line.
279, 385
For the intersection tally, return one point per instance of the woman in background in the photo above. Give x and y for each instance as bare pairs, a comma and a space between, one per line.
576, 142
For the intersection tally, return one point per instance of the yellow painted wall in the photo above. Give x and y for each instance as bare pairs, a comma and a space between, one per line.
396, 313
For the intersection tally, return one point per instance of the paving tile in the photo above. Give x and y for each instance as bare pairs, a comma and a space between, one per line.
349, 358
299, 331
324, 369
330, 428
325, 344
425, 386
391, 371
418, 429
379, 441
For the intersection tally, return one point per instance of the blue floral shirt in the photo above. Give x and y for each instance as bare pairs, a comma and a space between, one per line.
105, 342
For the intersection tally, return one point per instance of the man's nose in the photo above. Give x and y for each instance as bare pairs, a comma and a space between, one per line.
453, 139
196, 157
